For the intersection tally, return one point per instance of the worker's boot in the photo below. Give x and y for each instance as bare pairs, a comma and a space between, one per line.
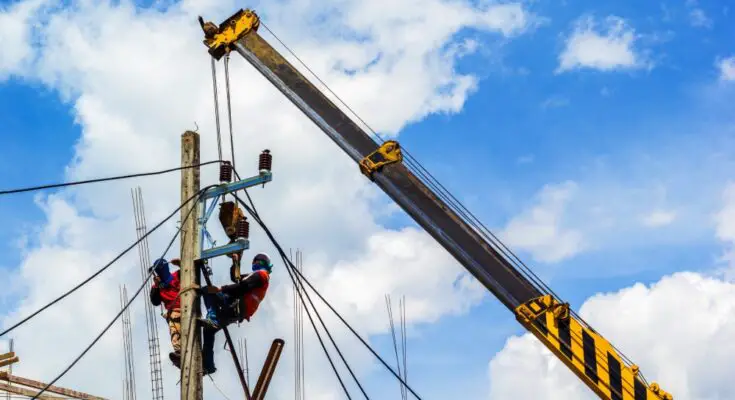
175, 358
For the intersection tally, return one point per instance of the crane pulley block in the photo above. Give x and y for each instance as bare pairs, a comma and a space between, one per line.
220, 38
388, 153
589, 355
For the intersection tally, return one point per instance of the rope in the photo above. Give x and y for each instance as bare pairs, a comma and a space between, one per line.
137, 292
26, 319
113, 178
217, 387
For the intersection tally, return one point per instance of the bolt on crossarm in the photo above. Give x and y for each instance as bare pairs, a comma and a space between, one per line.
588, 354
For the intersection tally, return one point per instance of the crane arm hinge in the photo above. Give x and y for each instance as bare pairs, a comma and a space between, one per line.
220, 38
389, 152
590, 356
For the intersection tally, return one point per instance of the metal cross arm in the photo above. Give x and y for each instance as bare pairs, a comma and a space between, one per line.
238, 245
225, 188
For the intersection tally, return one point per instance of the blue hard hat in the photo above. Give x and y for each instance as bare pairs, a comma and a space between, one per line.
262, 261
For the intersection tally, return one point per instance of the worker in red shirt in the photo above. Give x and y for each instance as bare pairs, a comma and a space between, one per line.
165, 289
231, 303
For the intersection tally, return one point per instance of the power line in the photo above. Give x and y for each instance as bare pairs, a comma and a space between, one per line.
113, 178
294, 280
339, 352
290, 267
137, 292
75, 288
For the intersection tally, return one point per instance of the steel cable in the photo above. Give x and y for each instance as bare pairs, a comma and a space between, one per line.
137, 292
290, 268
84, 282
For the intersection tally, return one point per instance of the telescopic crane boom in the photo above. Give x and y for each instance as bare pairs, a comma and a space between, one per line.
588, 354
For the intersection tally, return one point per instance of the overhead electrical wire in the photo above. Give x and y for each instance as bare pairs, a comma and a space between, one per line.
84, 282
286, 261
112, 178
454, 203
137, 292
299, 290
291, 269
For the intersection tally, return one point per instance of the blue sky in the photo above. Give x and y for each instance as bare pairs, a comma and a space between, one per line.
632, 140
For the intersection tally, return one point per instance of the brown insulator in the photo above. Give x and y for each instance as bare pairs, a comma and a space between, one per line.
266, 161
225, 172
243, 228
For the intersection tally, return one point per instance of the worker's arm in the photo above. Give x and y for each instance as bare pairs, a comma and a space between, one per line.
248, 283
155, 294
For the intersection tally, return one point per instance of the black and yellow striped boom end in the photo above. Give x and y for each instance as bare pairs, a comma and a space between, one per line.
590, 356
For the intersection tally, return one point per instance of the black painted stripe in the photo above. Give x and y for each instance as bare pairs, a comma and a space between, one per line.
590, 360
640, 390
565, 337
540, 323
616, 378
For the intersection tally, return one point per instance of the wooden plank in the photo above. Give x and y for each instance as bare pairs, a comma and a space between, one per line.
5, 363
7, 355
24, 392
52, 389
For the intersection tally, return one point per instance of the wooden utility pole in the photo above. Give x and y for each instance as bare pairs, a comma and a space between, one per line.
191, 348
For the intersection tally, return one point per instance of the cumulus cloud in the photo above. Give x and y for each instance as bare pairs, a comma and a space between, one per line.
613, 47
726, 66
645, 323
16, 28
659, 218
137, 78
540, 229
697, 17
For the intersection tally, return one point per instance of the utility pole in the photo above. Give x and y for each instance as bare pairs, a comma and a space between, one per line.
191, 348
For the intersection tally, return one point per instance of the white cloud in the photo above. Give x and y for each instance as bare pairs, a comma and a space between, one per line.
555, 102
540, 230
727, 68
659, 218
15, 35
645, 323
699, 19
138, 79
611, 48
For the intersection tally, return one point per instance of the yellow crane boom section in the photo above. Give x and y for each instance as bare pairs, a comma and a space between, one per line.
587, 353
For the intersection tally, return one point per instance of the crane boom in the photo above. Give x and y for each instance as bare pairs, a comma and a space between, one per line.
589, 355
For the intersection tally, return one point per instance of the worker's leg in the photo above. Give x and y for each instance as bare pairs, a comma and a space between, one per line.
174, 328
215, 303
208, 335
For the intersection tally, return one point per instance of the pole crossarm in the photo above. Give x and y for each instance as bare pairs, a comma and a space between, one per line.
225, 188
238, 245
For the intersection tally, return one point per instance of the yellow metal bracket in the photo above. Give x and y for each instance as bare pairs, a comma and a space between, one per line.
220, 38
388, 153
